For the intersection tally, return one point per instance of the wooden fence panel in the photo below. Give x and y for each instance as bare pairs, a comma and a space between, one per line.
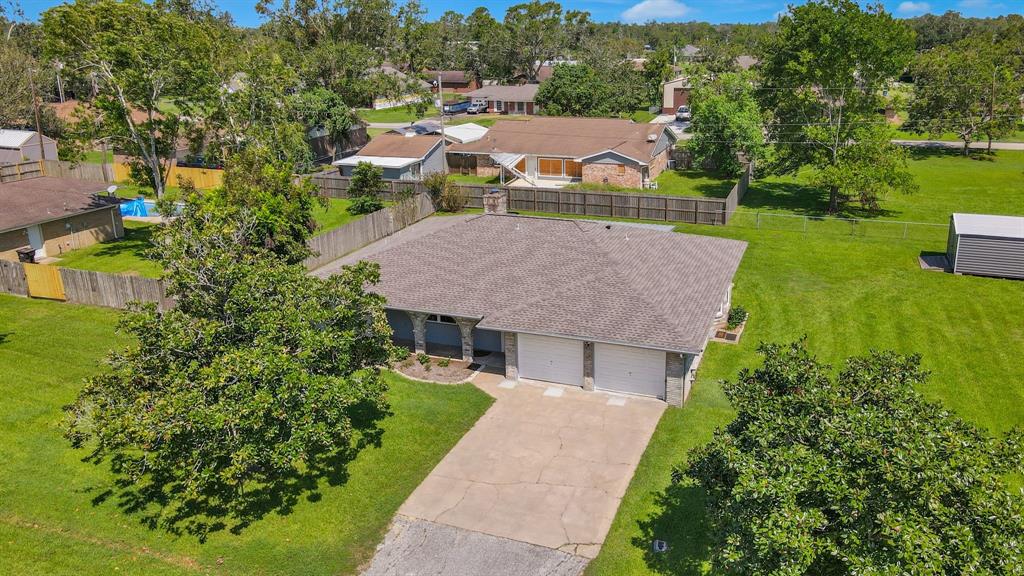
112, 290
44, 281
336, 243
12, 278
692, 210
20, 171
82, 171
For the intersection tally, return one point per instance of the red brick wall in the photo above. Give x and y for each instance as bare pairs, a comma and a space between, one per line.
629, 178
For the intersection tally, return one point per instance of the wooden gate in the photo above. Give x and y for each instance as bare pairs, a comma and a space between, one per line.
44, 281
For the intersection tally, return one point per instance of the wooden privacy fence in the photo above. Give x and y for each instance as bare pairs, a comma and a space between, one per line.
336, 243
693, 210
20, 171
120, 172
80, 286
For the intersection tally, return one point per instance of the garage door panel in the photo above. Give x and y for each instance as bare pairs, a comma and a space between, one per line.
629, 369
551, 359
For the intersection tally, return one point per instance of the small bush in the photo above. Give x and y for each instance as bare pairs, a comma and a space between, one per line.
435, 183
444, 362
364, 205
400, 353
423, 359
453, 198
737, 315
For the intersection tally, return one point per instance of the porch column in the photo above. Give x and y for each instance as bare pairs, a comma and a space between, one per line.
677, 381
588, 366
419, 331
466, 326
511, 360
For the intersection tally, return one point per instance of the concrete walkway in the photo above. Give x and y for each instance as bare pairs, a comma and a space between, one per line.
546, 466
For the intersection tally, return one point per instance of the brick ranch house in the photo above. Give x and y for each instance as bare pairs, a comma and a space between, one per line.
518, 99
602, 306
555, 151
452, 81
55, 215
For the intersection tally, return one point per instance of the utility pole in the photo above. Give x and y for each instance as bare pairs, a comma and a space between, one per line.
440, 105
35, 108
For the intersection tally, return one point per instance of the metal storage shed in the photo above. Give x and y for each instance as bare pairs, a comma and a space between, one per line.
986, 245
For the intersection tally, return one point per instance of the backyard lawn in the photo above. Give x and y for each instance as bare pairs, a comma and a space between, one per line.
471, 179
55, 520
334, 215
948, 182
394, 115
692, 183
847, 295
124, 256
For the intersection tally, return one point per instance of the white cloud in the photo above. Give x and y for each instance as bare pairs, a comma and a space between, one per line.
656, 10
973, 3
913, 8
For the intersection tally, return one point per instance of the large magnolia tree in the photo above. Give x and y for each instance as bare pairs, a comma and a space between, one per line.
855, 473
261, 379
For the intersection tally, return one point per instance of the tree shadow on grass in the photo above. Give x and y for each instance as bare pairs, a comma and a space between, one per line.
682, 524
930, 152
159, 502
803, 200
136, 241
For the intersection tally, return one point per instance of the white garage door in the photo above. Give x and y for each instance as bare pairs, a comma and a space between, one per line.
628, 369
551, 359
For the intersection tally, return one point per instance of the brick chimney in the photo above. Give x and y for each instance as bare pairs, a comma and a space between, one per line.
496, 202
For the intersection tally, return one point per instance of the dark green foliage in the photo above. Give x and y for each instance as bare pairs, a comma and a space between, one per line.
726, 123
423, 359
855, 473
258, 381
444, 362
822, 79
365, 188
582, 90
737, 315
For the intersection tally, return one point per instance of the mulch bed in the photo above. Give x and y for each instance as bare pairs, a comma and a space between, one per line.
456, 371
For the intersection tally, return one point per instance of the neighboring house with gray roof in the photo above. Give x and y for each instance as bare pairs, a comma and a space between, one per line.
552, 151
598, 305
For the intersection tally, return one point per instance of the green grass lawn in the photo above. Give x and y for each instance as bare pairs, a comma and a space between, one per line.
848, 296
948, 183
1015, 136
51, 521
334, 215
471, 179
692, 183
397, 114
374, 132
124, 256
641, 116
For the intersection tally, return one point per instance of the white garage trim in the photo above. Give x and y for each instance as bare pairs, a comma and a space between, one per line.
629, 369
550, 359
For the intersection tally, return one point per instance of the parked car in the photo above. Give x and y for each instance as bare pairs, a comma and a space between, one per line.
476, 109
683, 114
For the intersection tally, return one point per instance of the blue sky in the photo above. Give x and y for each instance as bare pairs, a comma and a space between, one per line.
715, 11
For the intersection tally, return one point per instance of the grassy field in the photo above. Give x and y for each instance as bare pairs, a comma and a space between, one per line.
692, 183
1015, 136
847, 295
948, 183
53, 522
372, 133
471, 179
397, 114
124, 256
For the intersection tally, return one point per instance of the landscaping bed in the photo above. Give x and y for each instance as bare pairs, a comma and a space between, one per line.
434, 369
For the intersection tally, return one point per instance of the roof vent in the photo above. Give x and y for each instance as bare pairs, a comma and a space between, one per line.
652, 137
410, 133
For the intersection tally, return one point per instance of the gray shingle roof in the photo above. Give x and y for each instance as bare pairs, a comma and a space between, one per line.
606, 283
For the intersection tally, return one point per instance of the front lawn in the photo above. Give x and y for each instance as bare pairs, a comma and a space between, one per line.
56, 520
847, 296
398, 114
124, 256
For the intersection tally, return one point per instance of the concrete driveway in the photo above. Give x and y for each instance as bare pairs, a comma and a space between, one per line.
546, 465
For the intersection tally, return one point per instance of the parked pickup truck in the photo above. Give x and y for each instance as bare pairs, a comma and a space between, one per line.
457, 107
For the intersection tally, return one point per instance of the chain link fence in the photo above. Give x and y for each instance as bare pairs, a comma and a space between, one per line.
853, 227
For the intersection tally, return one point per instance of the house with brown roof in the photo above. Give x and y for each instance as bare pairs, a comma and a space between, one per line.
407, 156
551, 151
453, 80
599, 305
46, 217
500, 99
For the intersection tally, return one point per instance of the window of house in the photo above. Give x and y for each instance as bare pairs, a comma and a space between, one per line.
573, 169
440, 319
498, 105
550, 166
622, 168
